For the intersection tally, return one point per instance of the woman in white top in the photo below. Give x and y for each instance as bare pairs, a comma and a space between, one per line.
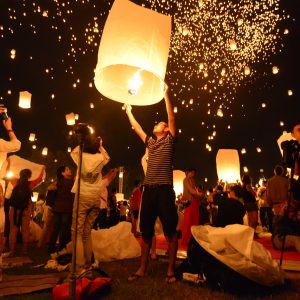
94, 158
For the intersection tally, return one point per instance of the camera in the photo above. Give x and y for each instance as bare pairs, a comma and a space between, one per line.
290, 149
4, 116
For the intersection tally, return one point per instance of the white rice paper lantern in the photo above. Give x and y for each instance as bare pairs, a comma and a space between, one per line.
32, 137
25, 99
70, 118
45, 151
133, 54
228, 165
178, 177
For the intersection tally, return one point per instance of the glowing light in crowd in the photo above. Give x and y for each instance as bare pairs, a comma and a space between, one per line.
178, 177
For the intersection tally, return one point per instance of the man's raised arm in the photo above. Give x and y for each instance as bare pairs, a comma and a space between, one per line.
135, 125
170, 112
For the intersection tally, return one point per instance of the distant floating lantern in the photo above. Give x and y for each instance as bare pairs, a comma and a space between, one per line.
91, 105
76, 116
33, 147
69, 149
25, 99
133, 54
290, 92
70, 118
240, 22
281, 123
258, 149
263, 105
243, 151
32, 137
228, 165
247, 70
245, 169
286, 31
178, 177
275, 70
45, 151
175, 109
232, 45
220, 113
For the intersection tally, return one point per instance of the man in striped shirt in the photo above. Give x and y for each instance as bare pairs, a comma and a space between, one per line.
158, 196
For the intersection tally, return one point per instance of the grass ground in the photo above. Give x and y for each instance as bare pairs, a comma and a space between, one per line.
152, 286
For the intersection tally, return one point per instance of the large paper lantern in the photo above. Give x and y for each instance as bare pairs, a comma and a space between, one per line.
133, 54
228, 165
178, 177
25, 99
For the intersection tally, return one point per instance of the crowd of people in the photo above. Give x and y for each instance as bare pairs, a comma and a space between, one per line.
74, 205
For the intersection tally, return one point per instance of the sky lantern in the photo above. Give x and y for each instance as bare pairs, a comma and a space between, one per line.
232, 45
25, 99
45, 151
228, 165
133, 54
32, 137
70, 118
178, 177
247, 70
275, 70
290, 92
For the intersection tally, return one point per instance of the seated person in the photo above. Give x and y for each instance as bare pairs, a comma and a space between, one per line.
231, 210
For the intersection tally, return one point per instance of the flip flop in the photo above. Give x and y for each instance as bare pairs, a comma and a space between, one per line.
171, 279
134, 277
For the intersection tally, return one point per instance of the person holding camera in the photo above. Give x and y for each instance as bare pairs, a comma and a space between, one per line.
13, 145
94, 158
158, 196
296, 183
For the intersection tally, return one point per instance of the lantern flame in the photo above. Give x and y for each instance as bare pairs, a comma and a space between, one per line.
134, 83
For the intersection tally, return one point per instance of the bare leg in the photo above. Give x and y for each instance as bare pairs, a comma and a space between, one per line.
153, 248
146, 244
172, 247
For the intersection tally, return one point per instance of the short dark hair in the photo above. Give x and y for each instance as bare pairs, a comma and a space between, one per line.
278, 170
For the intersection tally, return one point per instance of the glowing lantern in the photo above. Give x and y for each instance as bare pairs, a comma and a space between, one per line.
70, 118
245, 169
243, 151
247, 71
133, 54
275, 70
290, 92
25, 99
33, 147
232, 45
35, 196
178, 177
228, 165
32, 137
69, 149
175, 109
45, 151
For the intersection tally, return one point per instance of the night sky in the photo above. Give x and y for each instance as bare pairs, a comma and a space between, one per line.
218, 106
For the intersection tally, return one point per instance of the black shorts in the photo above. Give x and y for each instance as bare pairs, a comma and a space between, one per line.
158, 201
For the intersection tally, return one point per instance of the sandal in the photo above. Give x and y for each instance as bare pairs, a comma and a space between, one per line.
171, 278
134, 277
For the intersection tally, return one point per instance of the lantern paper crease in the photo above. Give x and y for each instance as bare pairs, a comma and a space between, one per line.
135, 42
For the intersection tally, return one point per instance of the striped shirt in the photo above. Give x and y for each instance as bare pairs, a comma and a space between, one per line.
160, 160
